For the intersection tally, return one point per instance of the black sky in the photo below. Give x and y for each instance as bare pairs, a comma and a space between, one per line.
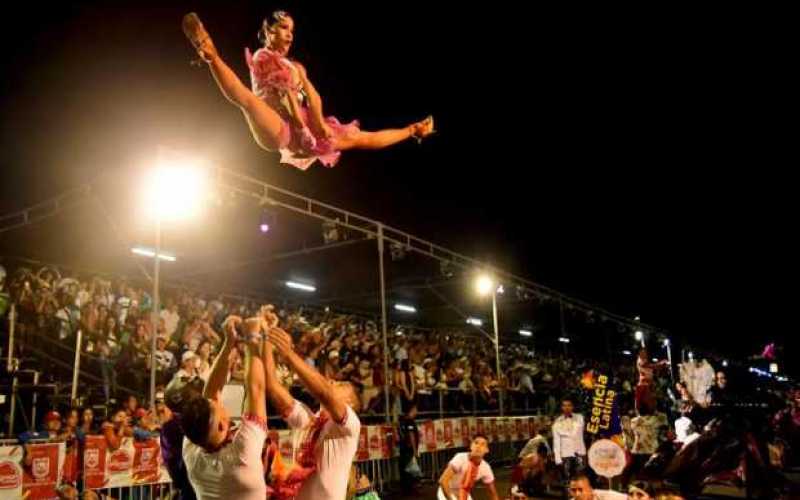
635, 157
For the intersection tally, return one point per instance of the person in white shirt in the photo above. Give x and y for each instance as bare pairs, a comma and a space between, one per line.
329, 438
171, 317
466, 469
580, 488
569, 448
165, 360
223, 463
188, 369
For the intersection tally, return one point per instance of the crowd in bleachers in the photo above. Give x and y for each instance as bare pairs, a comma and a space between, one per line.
448, 372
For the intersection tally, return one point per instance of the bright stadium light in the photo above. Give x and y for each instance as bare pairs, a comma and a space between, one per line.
176, 190
526, 333
563, 340
639, 335
405, 308
666, 342
484, 285
627, 353
474, 322
725, 362
501, 290
149, 252
773, 367
300, 286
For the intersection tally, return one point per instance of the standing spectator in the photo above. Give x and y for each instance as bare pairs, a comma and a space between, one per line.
366, 378
165, 360
719, 395
69, 435
131, 405
203, 357
568, 445
170, 317
401, 354
108, 347
409, 448
406, 388
87, 424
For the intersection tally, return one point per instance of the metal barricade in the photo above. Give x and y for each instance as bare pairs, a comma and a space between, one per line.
152, 491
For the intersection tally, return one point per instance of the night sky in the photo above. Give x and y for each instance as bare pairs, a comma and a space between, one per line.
633, 158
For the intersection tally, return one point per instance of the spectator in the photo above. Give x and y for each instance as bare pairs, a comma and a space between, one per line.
69, 435
719, 395
170, 317
409, 448
406, 388
568, 446
202, 359
165, 360
188, 369
131, 405
117, 428
52, 429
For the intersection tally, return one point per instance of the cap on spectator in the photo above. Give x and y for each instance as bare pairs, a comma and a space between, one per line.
187, 356
52, 415
141, 413
333, 354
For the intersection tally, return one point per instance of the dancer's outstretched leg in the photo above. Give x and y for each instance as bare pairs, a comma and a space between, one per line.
265, 124
384, 138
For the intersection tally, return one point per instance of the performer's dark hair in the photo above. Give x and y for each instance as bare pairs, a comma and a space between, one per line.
580, 477
479, 435
194, 420
266, 24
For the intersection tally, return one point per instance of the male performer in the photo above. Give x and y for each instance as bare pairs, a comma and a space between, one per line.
464, 470
328, 438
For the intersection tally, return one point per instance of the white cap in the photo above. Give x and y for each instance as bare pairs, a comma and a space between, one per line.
187, 356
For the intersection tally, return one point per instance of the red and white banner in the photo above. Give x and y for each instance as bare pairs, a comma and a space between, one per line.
41, 478
146, 460
94, 462
10, 472
130, 464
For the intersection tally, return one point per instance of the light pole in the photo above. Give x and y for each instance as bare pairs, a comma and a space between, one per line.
174, 191
486, 285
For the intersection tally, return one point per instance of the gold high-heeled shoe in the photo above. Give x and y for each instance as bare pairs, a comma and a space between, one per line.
198, 36
423, 129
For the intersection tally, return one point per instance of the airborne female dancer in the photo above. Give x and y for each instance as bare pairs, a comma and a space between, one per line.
283, 109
